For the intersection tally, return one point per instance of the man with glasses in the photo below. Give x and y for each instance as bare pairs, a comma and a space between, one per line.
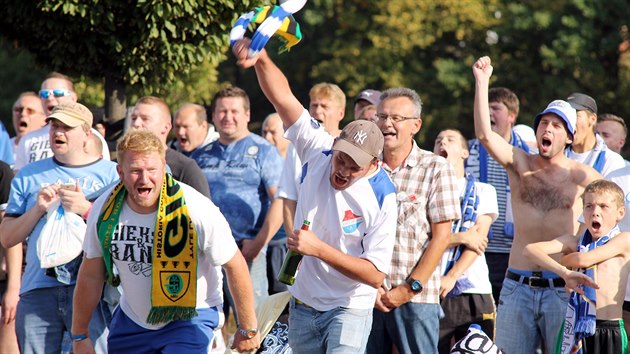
407, 304
56, 89
28, 115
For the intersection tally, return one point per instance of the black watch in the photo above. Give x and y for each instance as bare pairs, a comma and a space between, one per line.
415, 285
248, 333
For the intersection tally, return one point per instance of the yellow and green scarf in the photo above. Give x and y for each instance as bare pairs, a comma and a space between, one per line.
174, 260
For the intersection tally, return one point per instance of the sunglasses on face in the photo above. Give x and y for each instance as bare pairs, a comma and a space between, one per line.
45, 94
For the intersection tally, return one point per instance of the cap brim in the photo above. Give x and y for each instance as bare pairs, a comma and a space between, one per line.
359, 156
66, 119
579, 107
560, 114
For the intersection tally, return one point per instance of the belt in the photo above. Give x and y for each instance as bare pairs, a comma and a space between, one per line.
536, 280
297, 301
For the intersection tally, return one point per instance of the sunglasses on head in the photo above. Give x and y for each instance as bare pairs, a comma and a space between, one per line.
45, 94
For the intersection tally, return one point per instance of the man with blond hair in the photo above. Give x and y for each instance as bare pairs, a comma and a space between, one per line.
152, 113
171, 286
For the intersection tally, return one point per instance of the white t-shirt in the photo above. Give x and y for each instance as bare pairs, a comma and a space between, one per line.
290, 179
612, 160
622, 178
477, 273
132, 247
359, 221
35, 146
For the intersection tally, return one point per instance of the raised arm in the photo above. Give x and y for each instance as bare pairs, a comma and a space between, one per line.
272, 81
499, 149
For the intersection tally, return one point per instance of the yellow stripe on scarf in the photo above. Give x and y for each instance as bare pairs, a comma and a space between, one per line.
174, 261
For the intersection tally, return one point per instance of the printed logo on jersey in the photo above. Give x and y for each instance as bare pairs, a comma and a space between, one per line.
351, 222
252, 151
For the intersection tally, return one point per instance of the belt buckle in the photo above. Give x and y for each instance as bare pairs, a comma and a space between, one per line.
530, 279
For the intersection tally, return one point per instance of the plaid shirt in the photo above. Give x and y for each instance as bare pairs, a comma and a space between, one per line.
426, 192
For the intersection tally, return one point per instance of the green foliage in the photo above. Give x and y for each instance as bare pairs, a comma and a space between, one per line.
145, 44
542, 50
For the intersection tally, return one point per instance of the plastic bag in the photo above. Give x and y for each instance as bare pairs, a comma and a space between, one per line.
61, 239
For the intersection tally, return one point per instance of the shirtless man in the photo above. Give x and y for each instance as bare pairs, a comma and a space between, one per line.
545, 201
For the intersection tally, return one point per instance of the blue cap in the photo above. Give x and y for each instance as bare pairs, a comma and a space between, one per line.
563, 110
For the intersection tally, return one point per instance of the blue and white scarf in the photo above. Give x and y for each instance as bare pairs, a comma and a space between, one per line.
597, 156
469, 205
516, 141
581, 317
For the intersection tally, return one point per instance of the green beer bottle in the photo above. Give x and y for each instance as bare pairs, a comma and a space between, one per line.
291, 262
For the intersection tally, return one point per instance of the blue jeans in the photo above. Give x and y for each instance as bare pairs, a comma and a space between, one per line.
340, 330
526, 316
413, 328
44, 314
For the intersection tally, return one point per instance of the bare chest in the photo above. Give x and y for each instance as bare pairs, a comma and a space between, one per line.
547, 194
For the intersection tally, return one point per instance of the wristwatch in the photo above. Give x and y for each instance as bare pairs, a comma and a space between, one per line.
248, 333
415, 285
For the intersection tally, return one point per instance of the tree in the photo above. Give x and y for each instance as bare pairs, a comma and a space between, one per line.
142, 43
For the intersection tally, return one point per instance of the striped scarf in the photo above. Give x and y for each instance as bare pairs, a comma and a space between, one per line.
581, 316
174, 259
469, 205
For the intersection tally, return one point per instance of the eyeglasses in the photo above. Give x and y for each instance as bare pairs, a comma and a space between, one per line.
29, 111
394, 117
45, 94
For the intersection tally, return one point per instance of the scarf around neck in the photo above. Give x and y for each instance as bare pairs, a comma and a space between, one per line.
174, 258
469, 205
581, 316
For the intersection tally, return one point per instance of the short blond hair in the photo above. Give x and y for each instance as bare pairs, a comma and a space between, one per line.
329, 91
602, 186
140, 141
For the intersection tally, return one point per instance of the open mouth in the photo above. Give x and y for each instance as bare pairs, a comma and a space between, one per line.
596, 226
546, 142
59, 141
386, 134
50, 108
340, 181
144, 192
443, 153
23, 124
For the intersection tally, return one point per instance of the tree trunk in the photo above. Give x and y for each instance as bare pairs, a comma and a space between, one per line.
115, 111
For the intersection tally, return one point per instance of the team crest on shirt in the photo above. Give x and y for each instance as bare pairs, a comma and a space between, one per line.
252, 151
351, 222
314, 123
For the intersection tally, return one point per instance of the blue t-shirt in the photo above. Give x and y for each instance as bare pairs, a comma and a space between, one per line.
239, 175
6, 151
24, 189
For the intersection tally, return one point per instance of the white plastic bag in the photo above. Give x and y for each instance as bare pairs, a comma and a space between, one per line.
61, 239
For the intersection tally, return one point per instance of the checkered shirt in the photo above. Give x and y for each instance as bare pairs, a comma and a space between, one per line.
426, 192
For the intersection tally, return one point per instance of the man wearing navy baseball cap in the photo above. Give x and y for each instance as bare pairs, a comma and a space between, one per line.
588, 147
365, 98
